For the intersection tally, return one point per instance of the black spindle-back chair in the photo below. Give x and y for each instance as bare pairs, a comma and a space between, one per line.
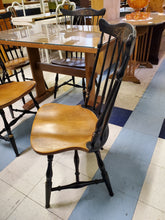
85, 127
81, 16
10, 93
12, 56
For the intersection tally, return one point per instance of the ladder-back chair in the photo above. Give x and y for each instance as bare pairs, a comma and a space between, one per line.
59, 128
10, 93
82, 16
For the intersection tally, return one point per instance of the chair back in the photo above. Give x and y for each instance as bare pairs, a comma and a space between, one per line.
83, 16
120, 41
5, 21
7, 52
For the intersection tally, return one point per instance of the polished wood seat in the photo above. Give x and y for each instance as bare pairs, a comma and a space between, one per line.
11, 92
72, 62
62, 133
17, 63
59, 128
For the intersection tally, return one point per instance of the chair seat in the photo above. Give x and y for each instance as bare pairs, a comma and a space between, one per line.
11, 92
59, 128
17, 63
72, 62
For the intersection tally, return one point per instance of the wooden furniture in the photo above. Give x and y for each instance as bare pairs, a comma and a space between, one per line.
143, 42
10, 93
155, 43
13, 57
156, 6
55, 37
85, 127
76, 60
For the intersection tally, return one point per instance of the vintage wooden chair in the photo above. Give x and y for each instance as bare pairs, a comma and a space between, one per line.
59, 128
11, 92
76, 61
12, 56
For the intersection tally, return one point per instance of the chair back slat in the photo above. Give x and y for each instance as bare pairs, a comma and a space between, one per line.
83, 16
12, 52
119, 47
5, 21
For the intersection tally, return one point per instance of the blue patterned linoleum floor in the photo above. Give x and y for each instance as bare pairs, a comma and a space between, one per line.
133, 155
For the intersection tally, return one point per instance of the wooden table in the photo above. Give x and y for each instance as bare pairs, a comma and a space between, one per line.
54, 37
143, 42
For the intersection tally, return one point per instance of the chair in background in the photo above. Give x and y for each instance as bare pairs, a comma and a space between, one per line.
12, 56
76, 61
59, 128
11, 92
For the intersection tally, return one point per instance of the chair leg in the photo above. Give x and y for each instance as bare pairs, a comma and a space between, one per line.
48, 184
23, 75
10, 135
76, 162
16, 75
73, 79
104, 173
56, 85
84, 88
34, 100
11, 111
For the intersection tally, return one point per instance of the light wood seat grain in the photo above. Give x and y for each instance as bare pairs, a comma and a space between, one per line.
11, 92
17, 63
59, 127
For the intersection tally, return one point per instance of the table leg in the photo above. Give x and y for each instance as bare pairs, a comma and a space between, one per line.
41, 92
37, 74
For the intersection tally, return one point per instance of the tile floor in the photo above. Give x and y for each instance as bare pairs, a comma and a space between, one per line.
22, 181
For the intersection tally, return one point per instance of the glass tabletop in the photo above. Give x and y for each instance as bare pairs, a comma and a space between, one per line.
46, 35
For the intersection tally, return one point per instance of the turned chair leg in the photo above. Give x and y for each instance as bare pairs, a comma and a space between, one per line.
10, 135
56, 85
48, 184
104, 173
76, 162
34, 100
84, 88
73, 79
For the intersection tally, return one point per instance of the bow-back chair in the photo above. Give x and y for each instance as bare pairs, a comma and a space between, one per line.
10, 93
75, 62
12, 56
59, 128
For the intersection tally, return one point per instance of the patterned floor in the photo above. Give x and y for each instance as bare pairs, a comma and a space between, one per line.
134, 156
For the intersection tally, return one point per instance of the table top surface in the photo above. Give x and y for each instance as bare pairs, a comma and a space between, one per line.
51, 36
33, 18
154, 19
